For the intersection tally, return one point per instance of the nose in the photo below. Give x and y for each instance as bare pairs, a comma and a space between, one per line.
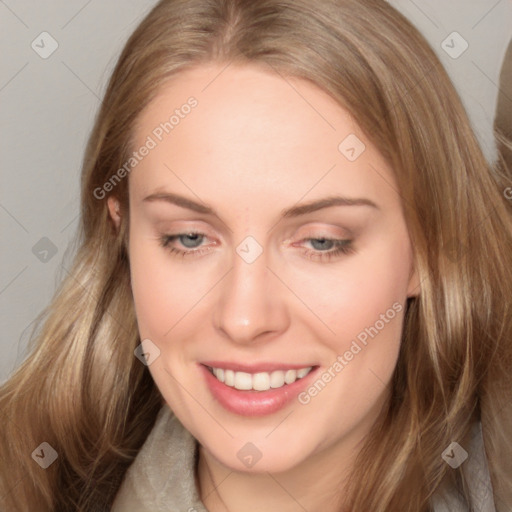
251, 306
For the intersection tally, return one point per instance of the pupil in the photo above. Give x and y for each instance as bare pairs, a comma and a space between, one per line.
190, 237
322, 243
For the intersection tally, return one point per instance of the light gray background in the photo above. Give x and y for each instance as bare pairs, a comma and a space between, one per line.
48, 106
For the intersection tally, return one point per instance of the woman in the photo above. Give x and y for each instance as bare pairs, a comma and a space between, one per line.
237, 143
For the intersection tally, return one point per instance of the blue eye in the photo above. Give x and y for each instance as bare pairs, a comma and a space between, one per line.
324, 248
188, 240
341, 247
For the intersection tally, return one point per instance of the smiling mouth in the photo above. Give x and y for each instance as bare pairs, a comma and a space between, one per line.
261, 381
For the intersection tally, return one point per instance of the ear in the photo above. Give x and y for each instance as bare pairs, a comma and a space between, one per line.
114, 210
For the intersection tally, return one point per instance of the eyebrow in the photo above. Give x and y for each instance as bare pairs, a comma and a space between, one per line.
294, 211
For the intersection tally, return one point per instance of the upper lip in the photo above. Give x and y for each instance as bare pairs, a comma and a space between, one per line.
255, 367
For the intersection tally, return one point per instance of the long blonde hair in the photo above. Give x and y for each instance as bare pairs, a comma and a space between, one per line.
82, 390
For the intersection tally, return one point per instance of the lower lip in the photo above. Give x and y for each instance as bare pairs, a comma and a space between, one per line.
254, 403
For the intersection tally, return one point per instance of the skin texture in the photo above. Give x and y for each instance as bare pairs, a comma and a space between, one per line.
252, 147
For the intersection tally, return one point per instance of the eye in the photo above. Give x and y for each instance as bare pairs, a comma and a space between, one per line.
190, 240
322, 245
323, 248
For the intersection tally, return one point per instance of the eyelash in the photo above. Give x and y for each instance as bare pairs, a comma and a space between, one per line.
344, 247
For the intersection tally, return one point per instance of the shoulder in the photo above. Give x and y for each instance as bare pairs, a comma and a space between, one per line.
473, 462
162, 475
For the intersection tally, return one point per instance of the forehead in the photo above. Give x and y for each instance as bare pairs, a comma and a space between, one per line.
255, 131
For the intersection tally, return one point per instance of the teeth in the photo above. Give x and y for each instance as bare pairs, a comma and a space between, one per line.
219, 373
302, 372
243, 380
229, 378
290, 376
277, 379
262, 381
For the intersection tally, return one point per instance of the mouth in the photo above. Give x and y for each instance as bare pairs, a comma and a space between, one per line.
258, 381
256, 390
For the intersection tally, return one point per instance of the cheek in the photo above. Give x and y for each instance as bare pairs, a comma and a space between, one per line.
165, 288
154, 285
367, 289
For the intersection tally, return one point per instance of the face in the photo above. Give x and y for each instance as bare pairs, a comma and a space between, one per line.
301, 308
